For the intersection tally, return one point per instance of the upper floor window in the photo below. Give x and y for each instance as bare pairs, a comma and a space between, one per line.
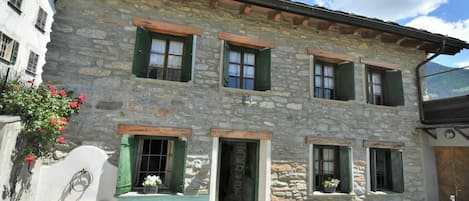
162, 56
41, 20
246, 62
32, 63
8, 49
16, 5
384, 87
386, 170
332, 75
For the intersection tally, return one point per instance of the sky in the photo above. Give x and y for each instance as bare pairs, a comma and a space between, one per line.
447, 17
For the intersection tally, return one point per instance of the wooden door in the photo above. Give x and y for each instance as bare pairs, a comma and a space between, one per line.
453, 175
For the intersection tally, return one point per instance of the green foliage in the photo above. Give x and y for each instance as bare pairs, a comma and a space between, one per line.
44, 112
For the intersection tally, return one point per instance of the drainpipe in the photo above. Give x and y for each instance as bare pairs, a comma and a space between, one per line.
419, 87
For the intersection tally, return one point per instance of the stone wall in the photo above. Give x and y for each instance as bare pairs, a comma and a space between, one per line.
91, 52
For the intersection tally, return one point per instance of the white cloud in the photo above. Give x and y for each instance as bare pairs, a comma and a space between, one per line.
459, 29
385, 10
462, 63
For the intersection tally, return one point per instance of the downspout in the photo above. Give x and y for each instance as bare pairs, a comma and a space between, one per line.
419, 86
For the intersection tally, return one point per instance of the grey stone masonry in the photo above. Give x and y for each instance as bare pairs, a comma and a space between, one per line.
91, 53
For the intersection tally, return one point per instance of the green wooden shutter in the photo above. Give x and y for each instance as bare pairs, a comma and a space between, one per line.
186, 74
345, 82
179, 166
373, 169
393, 89
14, 52
262, 70
226, 63
126, 164
141, 52
315, 171
345, 170
397, 171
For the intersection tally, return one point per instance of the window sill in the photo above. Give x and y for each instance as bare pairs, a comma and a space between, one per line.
160, 82
387, 193
381, 106
330, 101
40, 29
135, 196
321, 194
245, 91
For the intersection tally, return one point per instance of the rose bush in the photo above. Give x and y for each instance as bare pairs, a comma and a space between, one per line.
45, 113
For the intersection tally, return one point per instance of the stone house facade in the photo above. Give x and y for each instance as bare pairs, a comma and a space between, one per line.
265, 104
24, 34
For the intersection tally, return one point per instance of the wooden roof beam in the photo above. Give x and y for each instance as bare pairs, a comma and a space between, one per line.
301, 21
275, 15
346, 29
245, 9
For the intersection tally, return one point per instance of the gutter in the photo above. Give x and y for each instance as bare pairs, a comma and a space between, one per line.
419, 86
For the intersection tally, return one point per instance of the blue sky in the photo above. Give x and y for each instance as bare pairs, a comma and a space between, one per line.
447, 17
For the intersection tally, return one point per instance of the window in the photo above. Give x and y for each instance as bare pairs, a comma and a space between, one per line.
334, 80
32, 63
332, 162
16, 5
8, 49
384, 87
324, 79
162, 56
386, 170
41, 20
246, 68
141, 156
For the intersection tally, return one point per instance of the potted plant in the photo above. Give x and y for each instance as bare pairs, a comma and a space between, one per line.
151, 183
330, 185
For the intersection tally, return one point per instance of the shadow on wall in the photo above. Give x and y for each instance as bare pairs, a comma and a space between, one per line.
84, 175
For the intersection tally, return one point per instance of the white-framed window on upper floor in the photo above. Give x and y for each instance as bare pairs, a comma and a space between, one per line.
41, 20
8, 49
15, 5
32, 63
163, 51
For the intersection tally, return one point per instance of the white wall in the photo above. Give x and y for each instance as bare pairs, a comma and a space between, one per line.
9, 129
20, 27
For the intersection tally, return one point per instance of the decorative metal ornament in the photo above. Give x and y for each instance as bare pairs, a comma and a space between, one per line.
449, 134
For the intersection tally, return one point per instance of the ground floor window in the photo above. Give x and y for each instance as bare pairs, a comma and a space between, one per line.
331, 162
386, 170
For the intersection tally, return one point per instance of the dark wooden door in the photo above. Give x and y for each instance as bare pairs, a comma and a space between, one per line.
453, 172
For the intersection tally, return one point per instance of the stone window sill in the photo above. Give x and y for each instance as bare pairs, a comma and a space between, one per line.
387, 193
330, 101
160, 82
135, 196
245, 92
381, 106
321, 194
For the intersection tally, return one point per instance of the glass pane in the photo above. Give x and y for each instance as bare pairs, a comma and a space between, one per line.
328, 94
234, 70
155, 146
317, 69
329, 83
328, 167
174, 61
156, 60
248, 72
376, 78
318, 92
158, 46
154, 163
165, 147
329, 71
175, 47
146, 146
248, 84
377, 89
377, 99
235, 57
249, 59
163, 163
144, 163
328, 154
317, 81
233, 82
173, 74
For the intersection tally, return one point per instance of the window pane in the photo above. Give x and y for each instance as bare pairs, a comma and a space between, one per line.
174, 61
156, 59
158, 46
376, 89
249, 59
329, 83
155, 147
248, 84
377, 99
318, 92
173, 74
234, 70
328, 94
376, 78
318, 81
233, 82
328, 167
144, 163
235, 57
175, 47
248, 72
328, 154
317, 69
329, 71
154, 163
156, 73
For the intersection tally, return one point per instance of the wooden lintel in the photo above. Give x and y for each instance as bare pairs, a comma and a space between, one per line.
301, 21
245, 9
246, 41
328, 54
166, 28
383, 144
126, 129
240, 134
275, 15
429, 131
380, 64
329, 141
462, 133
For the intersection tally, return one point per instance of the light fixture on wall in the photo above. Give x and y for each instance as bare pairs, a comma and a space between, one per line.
449, 134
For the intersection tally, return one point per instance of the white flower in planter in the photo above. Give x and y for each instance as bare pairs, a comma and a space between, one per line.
152, 180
